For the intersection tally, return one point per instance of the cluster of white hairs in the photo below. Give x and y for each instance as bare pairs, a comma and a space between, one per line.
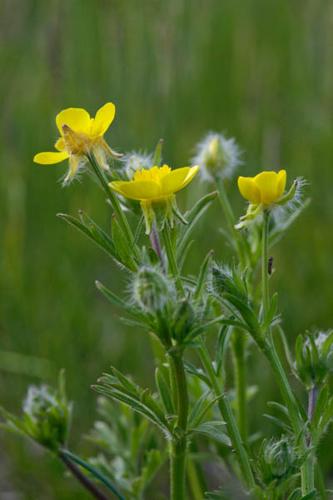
134, 161
37, 399
151, 290
217, 156
284, 213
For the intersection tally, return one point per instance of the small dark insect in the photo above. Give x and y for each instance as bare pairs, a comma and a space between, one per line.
270, 266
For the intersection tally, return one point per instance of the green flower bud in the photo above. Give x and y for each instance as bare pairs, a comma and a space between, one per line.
46, 416
230, 281
314, 357
277, 460
152, 290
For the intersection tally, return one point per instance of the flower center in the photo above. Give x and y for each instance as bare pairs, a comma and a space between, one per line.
155, 174
76, 143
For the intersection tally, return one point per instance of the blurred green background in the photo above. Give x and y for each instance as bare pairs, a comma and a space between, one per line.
260, 70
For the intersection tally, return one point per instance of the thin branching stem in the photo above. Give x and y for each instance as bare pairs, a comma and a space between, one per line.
307, 469
82, 478
239, 352
112, 197
228, 417
241, 244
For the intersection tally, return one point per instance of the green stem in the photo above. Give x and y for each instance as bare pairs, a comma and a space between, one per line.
194, 481
307, 469
239, 352
228, 417
123, 222
67, 457
239, 345
264, 264
178, 447
231, 220
172, 257
321, 482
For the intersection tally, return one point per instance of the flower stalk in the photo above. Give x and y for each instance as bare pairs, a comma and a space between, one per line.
169, 248
230, 220
239, 355
82, 478
307, 469
121, 217
228, 417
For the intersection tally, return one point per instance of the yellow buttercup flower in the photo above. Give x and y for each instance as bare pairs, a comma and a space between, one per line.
156, 185
79, 135
264, 189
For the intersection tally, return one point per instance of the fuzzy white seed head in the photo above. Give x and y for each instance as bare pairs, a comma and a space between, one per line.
217, 156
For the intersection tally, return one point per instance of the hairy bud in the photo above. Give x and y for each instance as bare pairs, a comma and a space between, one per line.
151, 289
46, 416
277, 460
314, 357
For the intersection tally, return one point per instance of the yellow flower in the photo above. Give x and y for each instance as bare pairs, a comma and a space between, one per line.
265, 188
156, 185
79, 134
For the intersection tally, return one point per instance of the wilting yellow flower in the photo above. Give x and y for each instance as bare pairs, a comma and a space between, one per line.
79, 135
265, 188
156, 185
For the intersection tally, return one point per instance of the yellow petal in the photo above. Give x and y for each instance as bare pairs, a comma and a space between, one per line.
77, 119
248, 189
267, 182
60, 144
281, 184
103, 119
137, 190
177, 179
49, 158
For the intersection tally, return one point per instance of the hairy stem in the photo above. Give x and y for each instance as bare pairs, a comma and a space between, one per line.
228, 417
178, 447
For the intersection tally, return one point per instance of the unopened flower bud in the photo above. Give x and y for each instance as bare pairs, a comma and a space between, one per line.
277, 460
217, 156
46, 415
151, 289
314, 357
223, 280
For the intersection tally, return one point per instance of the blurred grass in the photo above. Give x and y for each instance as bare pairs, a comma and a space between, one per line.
260, 70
